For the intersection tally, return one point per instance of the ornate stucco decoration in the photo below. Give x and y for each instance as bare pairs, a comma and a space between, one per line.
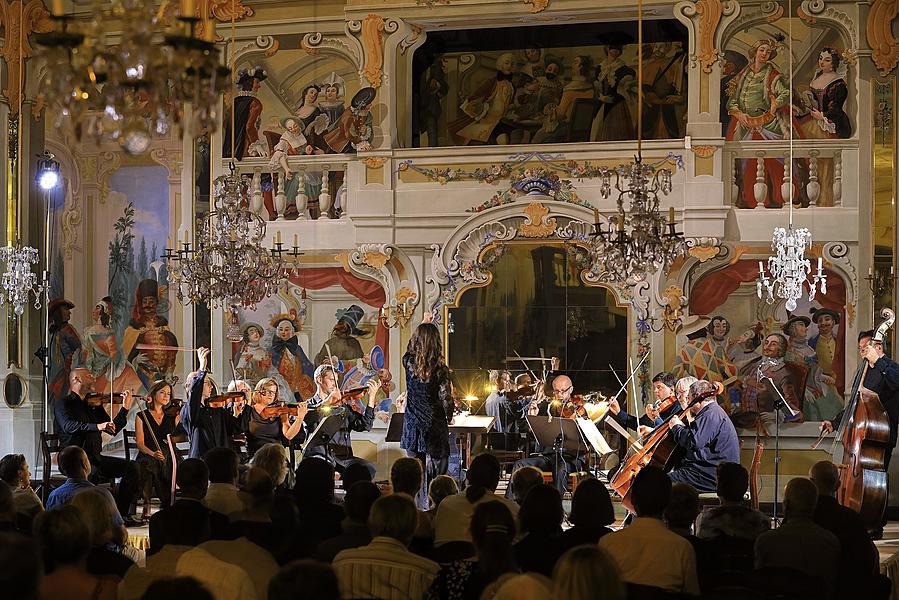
537, 5
704, 151
709, 12
346, 46
172, 160
776, 13
19, 22
703, 249
817, 12
405, 295
372, 30
389, 266
538, 224
222, 11
108, 163
879, 31
374, 162
70, 169
673, 305
376, 259
412, 38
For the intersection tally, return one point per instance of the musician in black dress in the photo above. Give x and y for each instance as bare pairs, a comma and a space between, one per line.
262, 430
154, 461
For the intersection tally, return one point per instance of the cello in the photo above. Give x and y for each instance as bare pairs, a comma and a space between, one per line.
866, 440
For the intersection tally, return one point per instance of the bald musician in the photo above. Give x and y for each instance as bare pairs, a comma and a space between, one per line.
546, 458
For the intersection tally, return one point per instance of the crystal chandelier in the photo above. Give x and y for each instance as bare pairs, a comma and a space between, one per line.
18, 280
788, 268
227, 265
135, 89
638, 241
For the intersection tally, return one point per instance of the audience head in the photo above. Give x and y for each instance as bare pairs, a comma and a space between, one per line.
354, 473
393, 516
651, 492
684, 506
20, 567
733, 481
14, 470
406, 476
483, 477
7, 505
223, 465
587, 572
314, 482
358, 501
193, 478
96, 512
800, 498
441, 487
63, 536
493, 531
591, 505
826, 477
530, 586
176, 587
523, 481
73, 462
271, 458
259, 486
541, 511
304, 580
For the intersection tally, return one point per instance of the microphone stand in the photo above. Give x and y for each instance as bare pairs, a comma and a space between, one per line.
779, 405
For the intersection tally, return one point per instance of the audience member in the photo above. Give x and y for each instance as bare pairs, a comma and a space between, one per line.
531, 586
406, 477
20, 566
105, 536
222, 494
680, 517
357, 505
540, 520
646, 552
523, 479
75, 465
442, 487
320, 516
353, 473
492, 529
591, 514
8, 521
64, 539
305, 580
385, 568
256, 496
14, 471
258, 562
177, 587
273, 459
586, 572
453, 519
799, 544
731, 518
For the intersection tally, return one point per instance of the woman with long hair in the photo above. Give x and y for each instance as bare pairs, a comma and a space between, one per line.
151, 427
263, 430
587, 572
428, 403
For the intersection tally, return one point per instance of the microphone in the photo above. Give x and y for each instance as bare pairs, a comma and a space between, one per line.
764, 362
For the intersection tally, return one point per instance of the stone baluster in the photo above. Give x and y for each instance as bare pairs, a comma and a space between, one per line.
813, 188
324, 198
760, 188
301, 193
279, 184
734, 184
838, 178
786, 188
257, 206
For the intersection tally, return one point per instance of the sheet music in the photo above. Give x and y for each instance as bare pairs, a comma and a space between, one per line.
593, 436
466, 420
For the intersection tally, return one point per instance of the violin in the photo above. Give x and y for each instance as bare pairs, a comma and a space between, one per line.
281, 409
173, 408
98, 399
225, 400
522, 392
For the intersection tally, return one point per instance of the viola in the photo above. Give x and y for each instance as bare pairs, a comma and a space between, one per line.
98, 399
522, 392
225, 400
281, 409
173, 408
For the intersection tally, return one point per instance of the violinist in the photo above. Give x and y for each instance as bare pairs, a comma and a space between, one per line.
262, 428
882, 378
338, 450
509, 404
207, 425
151, 426
708, 439
547, 459
664, 406
80, 419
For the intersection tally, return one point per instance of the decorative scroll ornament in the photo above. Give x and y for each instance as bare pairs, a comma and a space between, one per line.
704, 151
537, 224
222, 11
709, 12
372, 30
34, 19
881, 15
537, 5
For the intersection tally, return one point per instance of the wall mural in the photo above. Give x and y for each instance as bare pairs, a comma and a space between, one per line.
130, 300
756, 103
728, 343
540, 85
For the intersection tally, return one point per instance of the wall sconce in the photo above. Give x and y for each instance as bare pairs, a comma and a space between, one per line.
396, 314
879, 282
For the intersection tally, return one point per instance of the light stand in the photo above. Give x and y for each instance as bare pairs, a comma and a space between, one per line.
47, 180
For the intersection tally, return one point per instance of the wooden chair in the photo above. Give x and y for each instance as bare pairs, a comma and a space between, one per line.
130, 441
178, 454
50, 444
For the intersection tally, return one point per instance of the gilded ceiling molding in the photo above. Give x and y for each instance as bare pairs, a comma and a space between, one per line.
709, 12
34, 19
537, 5
372, 30
172, 160
773, 11
108, 163
221, 11
879, 30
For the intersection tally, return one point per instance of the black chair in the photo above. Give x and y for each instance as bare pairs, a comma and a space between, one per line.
130, 441
50, 445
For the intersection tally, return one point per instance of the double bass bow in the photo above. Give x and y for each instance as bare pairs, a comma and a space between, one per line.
865, 435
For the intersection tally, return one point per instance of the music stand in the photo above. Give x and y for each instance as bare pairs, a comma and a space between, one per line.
325, 430
560, 434
465, 424
395, 428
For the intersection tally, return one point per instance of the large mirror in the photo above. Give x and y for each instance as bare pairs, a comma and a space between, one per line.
15, 390
537, 300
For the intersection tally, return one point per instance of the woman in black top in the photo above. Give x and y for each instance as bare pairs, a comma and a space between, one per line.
429, 403
261, 430
151, 426
591, 514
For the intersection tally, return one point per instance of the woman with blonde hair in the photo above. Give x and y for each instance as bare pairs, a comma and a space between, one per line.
96, 512
263, 430
273, 459
587, 572
151, 427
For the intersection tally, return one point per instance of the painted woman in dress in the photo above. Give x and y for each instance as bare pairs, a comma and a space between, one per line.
253, 361
102, 356
289, 359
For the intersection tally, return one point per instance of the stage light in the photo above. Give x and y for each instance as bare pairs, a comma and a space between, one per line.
47, 171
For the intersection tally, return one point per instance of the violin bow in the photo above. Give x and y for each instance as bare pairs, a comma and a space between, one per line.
526, 365
624, 385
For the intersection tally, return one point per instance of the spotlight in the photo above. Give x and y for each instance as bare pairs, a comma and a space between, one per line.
47, 171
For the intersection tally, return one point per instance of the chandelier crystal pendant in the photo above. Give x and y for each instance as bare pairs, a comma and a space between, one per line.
789, 269
134, 90
228, 266
19, 280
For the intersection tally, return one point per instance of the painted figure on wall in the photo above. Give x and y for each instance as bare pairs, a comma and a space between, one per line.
65, 348
663, 91
247, 113
614, 84
253, 360
102, 356
758, 104
434, 88
485, 107
150, 328
353, 132
707, 357
331, 105
788, 377
289, 359
342, 342
821, 400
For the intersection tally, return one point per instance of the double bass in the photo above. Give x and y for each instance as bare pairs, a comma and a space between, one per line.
866, 440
